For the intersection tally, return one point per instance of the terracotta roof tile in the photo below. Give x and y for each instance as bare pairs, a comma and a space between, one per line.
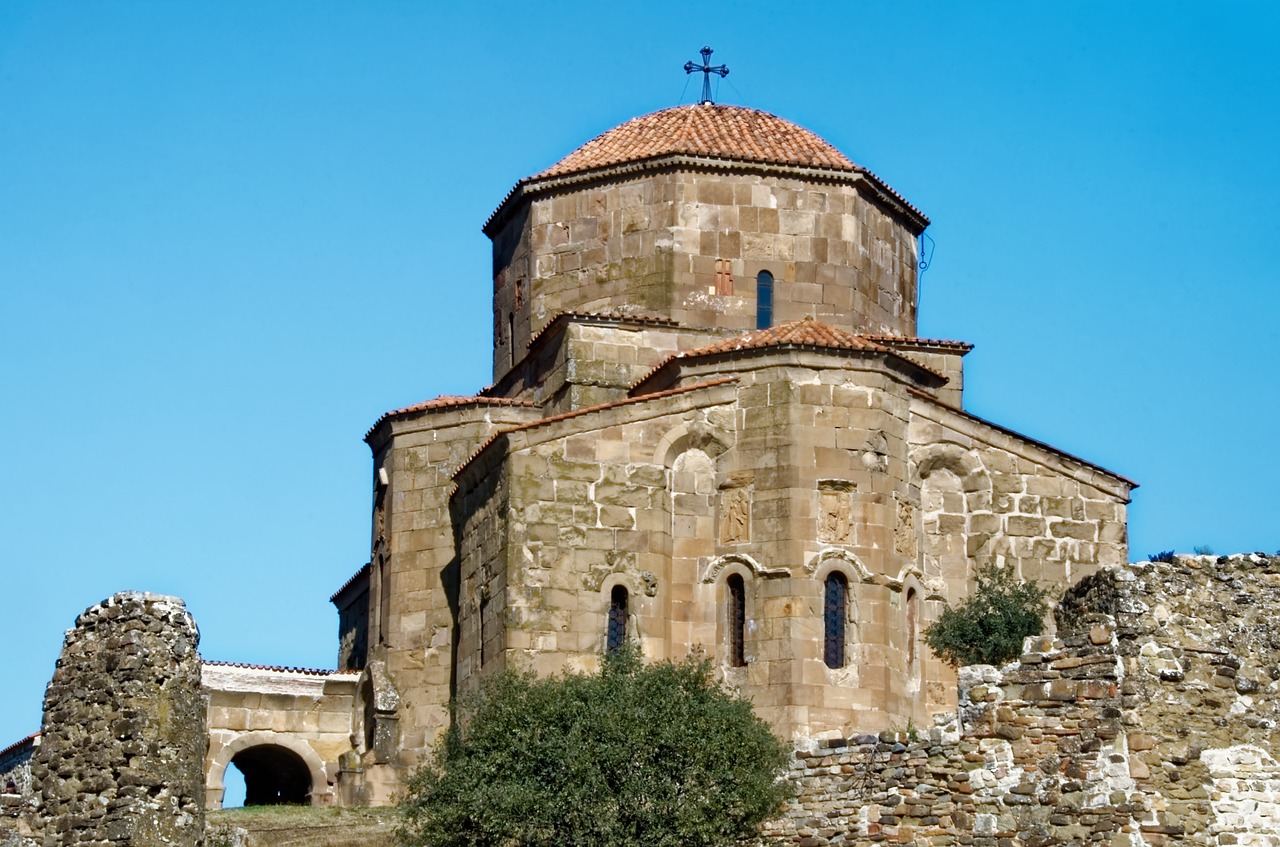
448, 401
730, 132
364, 571
30, 739
277, 668
964, 346
805, 332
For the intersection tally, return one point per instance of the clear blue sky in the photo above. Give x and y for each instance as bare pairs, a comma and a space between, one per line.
232, 234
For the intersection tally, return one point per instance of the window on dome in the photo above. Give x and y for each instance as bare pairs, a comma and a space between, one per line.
617, 631
834, 609
764, 300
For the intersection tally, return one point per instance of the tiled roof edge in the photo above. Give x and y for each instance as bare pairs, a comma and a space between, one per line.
604, 316
277, 668
963, 346
537, 185
30, 739
364, 570
704, 352
447, 401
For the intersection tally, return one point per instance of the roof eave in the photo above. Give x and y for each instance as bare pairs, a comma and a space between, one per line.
531, 186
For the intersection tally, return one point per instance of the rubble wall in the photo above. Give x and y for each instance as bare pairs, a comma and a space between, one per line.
1151, 719
122, 746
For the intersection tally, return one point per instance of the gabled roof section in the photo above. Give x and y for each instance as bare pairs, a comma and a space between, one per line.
805, 333
447, 401
617, 314
1018, 436
363, 573
590, 410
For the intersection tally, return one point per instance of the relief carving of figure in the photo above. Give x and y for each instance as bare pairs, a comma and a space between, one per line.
735, 515
904, 530
835, 517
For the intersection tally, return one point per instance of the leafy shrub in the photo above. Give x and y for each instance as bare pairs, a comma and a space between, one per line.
651, 755
1164, 557
989, 626
1202, 550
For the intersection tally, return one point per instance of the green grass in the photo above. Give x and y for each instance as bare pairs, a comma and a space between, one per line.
299, 816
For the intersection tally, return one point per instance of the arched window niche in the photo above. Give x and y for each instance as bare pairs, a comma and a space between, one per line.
616, 628
764, 300
736, 620
835, 613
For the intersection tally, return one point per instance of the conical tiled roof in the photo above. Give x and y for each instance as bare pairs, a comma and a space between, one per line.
705, 129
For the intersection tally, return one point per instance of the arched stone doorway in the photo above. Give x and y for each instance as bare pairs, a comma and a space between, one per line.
276, 768
273, 775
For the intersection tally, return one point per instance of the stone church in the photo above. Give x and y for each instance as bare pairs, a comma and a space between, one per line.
712, 426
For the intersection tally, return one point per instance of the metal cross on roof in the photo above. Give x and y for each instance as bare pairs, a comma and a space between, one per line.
707, 70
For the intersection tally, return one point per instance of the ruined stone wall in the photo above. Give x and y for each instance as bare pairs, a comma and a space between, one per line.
123, 738
1152, 719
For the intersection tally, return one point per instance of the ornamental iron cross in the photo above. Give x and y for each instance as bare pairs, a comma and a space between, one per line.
707, 70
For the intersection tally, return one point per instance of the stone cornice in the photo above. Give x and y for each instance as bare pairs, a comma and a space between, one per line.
864, 180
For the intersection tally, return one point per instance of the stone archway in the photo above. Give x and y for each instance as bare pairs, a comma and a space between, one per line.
273, 776
276, 768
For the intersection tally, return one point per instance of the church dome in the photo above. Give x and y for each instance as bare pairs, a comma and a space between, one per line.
705, 129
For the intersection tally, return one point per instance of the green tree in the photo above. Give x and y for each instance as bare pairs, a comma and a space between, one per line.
989, 626
650, 755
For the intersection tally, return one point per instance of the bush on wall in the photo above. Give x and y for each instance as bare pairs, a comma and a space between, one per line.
989, 626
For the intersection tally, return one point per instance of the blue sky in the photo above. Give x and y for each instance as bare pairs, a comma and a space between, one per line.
231, 235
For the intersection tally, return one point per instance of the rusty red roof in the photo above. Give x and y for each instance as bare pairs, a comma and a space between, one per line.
711, 132
805, 332
448, 401
705, 129
962, 346
30, 739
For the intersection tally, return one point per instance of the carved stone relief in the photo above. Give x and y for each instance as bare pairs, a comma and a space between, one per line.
835, 511
735, 515
904, 530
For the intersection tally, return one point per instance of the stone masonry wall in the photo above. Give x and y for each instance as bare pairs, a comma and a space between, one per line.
1151, 720
689, 244
122, 745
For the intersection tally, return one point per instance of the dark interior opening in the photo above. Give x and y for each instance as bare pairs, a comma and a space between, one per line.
273, 776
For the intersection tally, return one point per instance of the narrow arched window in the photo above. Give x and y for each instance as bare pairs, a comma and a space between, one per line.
511, 336
484, 630
737, 620
764, 300
834, 609
617, 630
912, 612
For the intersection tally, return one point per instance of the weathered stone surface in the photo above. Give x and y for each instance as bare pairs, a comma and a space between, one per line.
123, 738
1121, 754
